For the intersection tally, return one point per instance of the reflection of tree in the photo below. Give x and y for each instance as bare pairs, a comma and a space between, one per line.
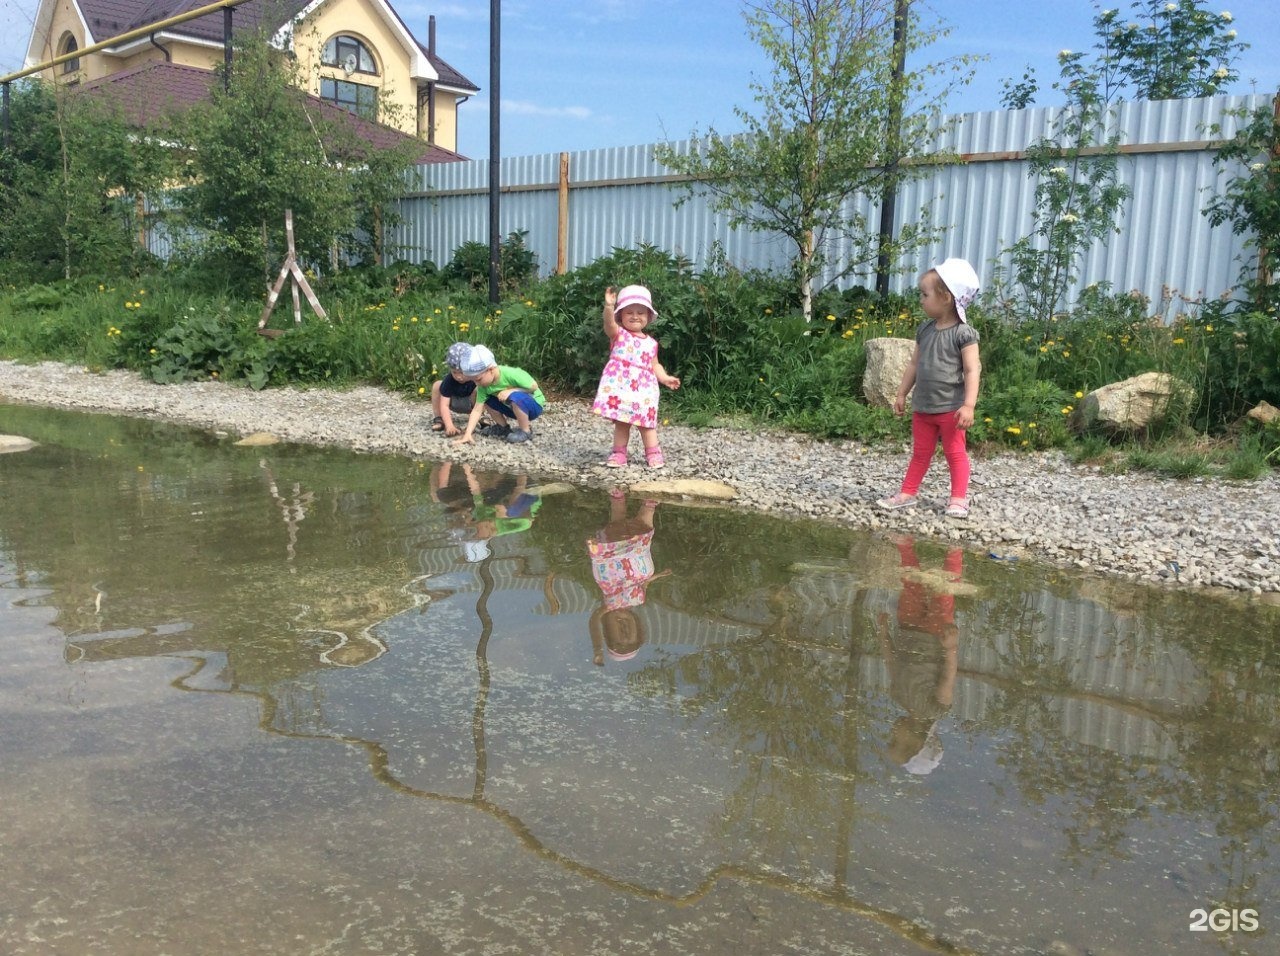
1233, 771
1225, 765
795, 714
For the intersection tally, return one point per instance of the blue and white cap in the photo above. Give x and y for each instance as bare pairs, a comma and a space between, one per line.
456, 356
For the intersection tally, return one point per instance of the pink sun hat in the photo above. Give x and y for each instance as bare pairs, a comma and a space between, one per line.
635, 295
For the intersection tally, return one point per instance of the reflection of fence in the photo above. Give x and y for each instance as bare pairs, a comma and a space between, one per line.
1105, 691
622, 197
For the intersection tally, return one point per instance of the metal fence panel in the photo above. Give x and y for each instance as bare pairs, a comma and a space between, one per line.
622, 197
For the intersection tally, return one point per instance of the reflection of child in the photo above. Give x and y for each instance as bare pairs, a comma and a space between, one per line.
622, 564
922, 659
628, 392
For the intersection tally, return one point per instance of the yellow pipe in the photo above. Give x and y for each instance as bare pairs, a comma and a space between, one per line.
124, 38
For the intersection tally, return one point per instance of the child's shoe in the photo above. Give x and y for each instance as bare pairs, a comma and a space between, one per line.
654, 457
518, 435
617, 458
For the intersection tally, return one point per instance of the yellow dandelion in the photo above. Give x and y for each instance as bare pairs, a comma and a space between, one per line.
768, 311
414, 319
1066, 355
1208, 328
1079, 394
421, 390
1179, 341
1014, 430
831, 318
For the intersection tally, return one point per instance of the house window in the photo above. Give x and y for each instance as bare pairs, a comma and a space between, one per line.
69, 45
349, 55
356, 97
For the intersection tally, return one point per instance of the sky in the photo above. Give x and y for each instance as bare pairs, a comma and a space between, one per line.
585, 74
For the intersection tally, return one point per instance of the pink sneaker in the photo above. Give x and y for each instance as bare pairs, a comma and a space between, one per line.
617, 458
654, 457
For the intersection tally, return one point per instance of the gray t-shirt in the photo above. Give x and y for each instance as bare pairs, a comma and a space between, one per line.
939, 371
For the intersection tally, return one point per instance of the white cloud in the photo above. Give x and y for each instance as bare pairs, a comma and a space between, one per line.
525, 108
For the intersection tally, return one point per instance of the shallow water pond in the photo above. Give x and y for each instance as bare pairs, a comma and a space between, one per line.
285, 700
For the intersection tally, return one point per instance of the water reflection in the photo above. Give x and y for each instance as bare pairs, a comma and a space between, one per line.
922, 657
621, 555
775, 726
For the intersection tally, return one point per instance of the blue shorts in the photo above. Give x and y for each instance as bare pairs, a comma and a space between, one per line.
526, 402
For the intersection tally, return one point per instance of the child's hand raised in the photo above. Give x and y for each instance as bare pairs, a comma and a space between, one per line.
611, 297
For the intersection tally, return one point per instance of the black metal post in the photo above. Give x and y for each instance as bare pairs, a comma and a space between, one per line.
495, 99
889, 198
226, 49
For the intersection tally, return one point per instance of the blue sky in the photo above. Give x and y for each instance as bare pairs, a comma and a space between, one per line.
582, 74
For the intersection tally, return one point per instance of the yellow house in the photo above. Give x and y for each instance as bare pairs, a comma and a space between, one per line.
356, 54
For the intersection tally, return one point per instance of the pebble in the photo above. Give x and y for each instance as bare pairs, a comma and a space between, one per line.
1173, 533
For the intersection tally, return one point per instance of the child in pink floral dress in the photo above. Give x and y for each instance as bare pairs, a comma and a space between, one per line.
628, 392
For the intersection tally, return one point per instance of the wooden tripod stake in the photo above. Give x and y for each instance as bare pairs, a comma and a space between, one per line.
289, 270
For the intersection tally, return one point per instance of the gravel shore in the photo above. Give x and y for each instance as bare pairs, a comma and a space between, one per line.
1181, 533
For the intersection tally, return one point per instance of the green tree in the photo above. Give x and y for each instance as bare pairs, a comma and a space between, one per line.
1165, 49
261, 147
1169, 49
1078, 197
72, 185
822, 132
1251, 200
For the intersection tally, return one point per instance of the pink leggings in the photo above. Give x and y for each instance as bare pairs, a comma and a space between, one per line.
926, 432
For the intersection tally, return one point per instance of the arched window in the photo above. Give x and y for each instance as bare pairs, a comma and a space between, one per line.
349, 55
68, 45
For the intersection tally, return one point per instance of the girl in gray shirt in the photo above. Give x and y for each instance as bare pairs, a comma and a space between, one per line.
944, 370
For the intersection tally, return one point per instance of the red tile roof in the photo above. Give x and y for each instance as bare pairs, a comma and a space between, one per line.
157, 91
108, 18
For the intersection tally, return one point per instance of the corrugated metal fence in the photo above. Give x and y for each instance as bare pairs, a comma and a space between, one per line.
621, 197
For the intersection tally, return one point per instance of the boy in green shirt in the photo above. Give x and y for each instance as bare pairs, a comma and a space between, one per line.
508, 392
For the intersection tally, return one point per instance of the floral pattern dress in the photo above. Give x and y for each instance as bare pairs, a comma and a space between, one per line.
628, 388
623, 569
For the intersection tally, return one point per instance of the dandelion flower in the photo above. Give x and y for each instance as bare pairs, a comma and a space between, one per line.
1079, 394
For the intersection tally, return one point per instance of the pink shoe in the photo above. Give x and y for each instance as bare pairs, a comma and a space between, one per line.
654, 457
617, 458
